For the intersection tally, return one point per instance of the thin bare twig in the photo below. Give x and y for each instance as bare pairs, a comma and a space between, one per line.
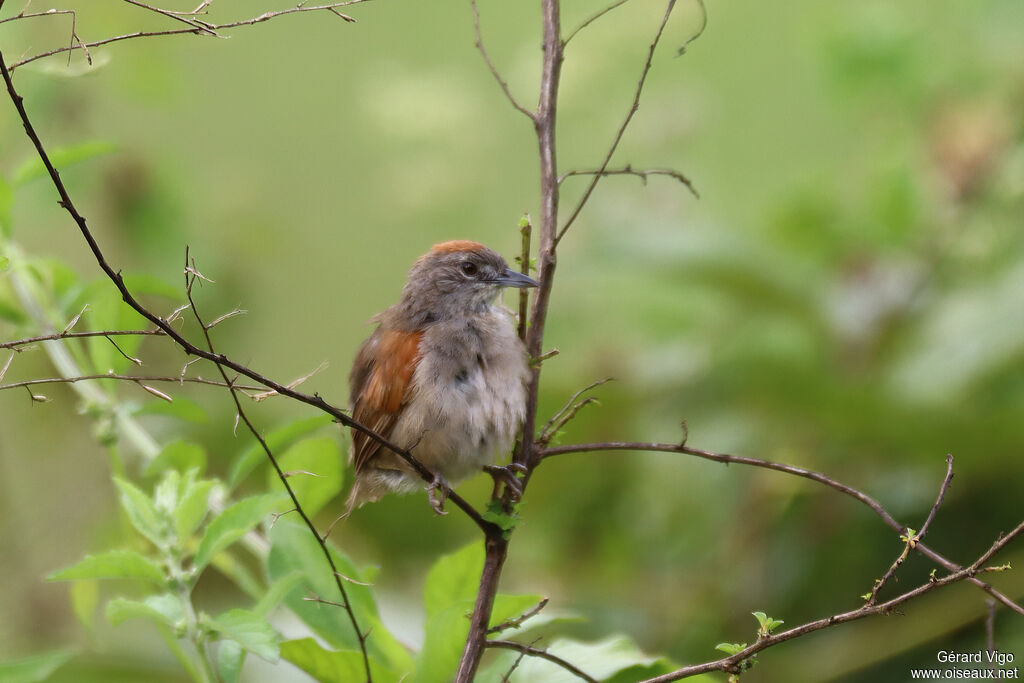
204, 29
732, 662
78, 335
123, 378
52, 12
543, 654
507, 676
889, 520
567, 412
622, 127
516, 622
177, 16
591, 19
219, 319
191, 275
640, 173
7, 365
911, 538
494, 70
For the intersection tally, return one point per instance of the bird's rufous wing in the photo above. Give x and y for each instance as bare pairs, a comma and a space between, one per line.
380, 382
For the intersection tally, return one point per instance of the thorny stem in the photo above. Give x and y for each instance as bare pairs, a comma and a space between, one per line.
346, 604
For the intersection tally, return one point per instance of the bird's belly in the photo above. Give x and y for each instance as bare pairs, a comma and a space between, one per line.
470, 420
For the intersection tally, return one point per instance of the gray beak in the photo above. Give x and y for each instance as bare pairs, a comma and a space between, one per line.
511, 278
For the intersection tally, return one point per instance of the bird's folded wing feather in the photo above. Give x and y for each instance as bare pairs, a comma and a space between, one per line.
380, 383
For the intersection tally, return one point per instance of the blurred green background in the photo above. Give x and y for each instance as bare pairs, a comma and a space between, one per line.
847, 295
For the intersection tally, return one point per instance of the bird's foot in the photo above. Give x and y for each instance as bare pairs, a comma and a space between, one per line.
437, 493
507, 475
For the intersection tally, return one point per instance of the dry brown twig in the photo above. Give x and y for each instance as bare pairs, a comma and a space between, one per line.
910, 537
543, 654
194, 27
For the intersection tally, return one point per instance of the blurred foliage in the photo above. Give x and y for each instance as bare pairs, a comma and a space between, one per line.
846, 296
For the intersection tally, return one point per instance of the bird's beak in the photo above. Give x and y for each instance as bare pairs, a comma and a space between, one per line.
512, 278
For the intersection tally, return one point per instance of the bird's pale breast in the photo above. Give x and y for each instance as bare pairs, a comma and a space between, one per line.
468, 394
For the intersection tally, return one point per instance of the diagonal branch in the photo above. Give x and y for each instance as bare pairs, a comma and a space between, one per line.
123, 378
733, 662
196, 28
911, 539
177, 16
622, 127
640, 173
220, 359
543, 654
74, 335
890, 521
190, 278
591, 19
494, 70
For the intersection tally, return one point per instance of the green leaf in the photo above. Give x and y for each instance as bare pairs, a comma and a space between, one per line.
511, 606
446, 632
6, 204
10, 309
239, 572
276, 593
319, 457
448, 596
61, 158
162, 609
767, 624
230, 659
277, 439
181, 408
178, 455
251, 631
85, 597
294, 549
35, 668
233, 523
731, 648
113, 564
495, 514
327, 666
192, 506
141, 511
166, 494
453, 578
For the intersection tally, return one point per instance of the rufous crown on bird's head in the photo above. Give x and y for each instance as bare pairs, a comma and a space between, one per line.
455, 277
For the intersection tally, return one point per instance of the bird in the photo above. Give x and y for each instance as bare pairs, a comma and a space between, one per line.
443, 376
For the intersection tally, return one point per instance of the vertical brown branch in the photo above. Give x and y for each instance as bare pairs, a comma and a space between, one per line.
495, 544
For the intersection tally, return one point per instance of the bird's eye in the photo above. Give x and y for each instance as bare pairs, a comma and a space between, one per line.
468, 268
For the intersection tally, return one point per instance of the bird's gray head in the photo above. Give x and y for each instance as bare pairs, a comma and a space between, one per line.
455, 278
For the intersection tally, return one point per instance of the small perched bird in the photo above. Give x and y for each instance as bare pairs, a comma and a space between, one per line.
443, 376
